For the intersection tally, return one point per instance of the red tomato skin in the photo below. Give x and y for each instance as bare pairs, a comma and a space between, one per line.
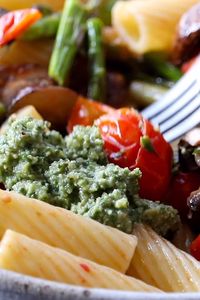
85, 112
195, 248
182, 185
121, 136
156, 167
122, 132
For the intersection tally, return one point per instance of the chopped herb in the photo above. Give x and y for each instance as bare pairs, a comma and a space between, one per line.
146, 143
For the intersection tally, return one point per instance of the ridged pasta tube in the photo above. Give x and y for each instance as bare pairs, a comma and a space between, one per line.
149, 25
61, 228
160, 263
23, 255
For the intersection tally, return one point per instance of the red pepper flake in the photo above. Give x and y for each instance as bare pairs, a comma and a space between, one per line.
85, 267
6, 199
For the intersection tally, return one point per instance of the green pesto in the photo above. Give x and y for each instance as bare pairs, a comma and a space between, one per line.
73, 173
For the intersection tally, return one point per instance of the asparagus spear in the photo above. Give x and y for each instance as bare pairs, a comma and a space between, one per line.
159, 64
69, 37
144, 93
96, 89
101, 9
46, 27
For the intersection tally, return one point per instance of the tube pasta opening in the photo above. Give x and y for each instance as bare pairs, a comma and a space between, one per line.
148, 25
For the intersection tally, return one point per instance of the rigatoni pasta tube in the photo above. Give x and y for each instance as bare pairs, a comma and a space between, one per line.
23, 255
61, 228
160, 263
149, 25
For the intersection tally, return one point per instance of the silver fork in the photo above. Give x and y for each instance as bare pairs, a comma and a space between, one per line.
179, 111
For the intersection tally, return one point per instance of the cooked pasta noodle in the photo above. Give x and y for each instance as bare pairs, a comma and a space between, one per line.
160, 263
149, 25
24, 255
64, 229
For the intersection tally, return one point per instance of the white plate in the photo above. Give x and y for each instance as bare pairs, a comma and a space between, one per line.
18, 287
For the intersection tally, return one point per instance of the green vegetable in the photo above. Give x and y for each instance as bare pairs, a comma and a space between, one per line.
197, 156
101, 9
2, 111
47, 27
74, 173
147, 144
96, 89
162, 67
68, 40
144, 93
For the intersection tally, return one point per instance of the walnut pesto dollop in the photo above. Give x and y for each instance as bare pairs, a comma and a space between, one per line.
74, 173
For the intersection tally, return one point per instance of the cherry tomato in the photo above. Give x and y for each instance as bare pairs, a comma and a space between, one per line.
181, 187
14, 23
85, 112
131, 141
195, 248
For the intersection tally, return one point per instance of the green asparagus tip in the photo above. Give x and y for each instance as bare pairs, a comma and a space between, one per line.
69, 37
97, 84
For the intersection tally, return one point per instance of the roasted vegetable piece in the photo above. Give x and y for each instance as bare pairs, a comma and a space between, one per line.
195, 248
85, 112
187, 156
144, 93
122, 132
187, 43
47, 27
193, 201
69, 37
189, 151
27, 52
101, 9
14, 23
182, 185
97, 84
53, 103
158, 63
14, 79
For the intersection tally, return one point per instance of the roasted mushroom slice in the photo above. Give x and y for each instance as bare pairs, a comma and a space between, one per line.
16, 78
187, 44
53, 103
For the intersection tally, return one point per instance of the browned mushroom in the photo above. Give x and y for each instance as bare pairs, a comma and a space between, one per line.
30, 85
52, 102
15, 78
187, 44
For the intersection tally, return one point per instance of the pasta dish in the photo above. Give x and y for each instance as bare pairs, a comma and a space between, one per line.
91, 193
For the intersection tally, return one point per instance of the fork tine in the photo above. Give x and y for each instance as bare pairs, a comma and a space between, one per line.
184, 85
177, 106
180, 129
181, 115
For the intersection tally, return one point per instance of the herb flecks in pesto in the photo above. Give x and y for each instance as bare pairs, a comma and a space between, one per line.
73, 173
